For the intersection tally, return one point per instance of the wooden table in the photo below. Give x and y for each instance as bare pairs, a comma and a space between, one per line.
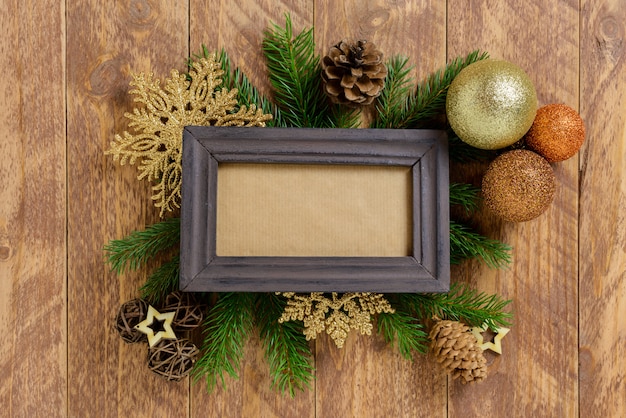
65, 69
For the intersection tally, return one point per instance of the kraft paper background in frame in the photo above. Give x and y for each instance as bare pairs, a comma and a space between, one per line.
422, 152
313, 210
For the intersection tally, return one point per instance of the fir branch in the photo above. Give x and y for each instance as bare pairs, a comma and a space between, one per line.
461, 304
227, 328
134, 250
162, 282
462, 152
428, 100
391, 104
465, 195
286, 348
248, 94
294, 73
465, 243
402, 328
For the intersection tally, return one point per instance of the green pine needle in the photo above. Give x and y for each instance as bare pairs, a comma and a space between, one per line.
465, 195
134, 250
401, 328
392, 103
286, 348
404, 107
162, 282
461, 304
462, 152
465, 243
227, 328
294, 73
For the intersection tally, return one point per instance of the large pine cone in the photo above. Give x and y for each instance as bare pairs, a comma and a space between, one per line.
353, 73
458, 352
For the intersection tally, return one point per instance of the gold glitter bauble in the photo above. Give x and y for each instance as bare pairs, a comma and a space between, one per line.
491, 104
519, 185
557, 133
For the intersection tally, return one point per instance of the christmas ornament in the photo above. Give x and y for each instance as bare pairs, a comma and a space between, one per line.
184, 100
353, 73
346, 313
456, 349
519, 185
491, 104
157, 326
557, 133
496, 345
172, 359
129, 315
187, 310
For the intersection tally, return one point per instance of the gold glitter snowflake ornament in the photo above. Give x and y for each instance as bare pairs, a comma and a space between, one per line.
158, 125
346, 313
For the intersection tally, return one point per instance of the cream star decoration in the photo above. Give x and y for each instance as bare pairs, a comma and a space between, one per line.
159, 322
496, 345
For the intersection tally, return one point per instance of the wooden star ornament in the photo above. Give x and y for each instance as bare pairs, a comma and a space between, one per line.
157, 326
496, 345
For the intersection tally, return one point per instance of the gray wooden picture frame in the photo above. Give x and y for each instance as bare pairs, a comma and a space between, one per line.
426, 269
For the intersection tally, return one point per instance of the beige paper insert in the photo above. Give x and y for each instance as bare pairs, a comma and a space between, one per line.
313, 210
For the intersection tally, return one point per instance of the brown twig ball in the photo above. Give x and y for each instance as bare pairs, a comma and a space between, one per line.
172, 359
557, 133
519, 185
130, 314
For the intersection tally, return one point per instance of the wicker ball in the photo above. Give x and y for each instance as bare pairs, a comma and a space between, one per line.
557, 133
129, 315
172, 359
519, 185
188, 311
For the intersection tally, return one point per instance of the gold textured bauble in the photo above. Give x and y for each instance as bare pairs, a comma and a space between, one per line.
519, 185
557, 133
491, 104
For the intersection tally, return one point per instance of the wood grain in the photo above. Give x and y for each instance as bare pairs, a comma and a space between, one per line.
66, 67
105, 43
363, 378
238, 26
33, 364
536, 375
602, 208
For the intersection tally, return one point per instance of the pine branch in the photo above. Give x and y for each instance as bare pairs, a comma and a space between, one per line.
227, 328
461, 304
465, 195
465, 243
134, 250
402, 328
236, 79
294, 73
427, 101
162, 282
248, 94
462, 152
391, 104
286, 348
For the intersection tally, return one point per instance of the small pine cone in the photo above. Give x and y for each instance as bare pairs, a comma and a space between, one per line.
458, 352
353, 73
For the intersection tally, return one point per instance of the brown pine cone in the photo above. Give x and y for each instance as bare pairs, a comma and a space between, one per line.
458, 352
353, 73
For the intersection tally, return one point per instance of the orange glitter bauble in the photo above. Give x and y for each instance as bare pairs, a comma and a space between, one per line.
557, 132
519, 185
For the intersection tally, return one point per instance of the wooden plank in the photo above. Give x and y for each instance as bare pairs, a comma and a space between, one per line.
238, 27
366, 377
33, 366
602, 203
105, 42
537, 373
